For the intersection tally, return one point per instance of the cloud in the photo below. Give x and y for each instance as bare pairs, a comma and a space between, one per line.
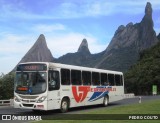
17, 9
14, 46
48, 27
69, 43
102, 8
31, 18
59, 44
71, 9
12, 49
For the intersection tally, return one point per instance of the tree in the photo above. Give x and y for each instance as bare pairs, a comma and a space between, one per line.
145, 73
7, 86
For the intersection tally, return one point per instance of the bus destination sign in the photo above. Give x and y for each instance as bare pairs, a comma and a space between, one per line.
32, 67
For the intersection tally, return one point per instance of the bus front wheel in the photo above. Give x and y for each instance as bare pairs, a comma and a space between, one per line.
64, 105
105, 100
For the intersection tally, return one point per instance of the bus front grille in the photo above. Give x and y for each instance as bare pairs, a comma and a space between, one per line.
27, 101
28, 105
28, 97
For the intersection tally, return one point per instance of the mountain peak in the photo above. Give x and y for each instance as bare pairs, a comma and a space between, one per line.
84, 47
147, 34
41, 40
147, 19
39, 52
41, 36
148, 9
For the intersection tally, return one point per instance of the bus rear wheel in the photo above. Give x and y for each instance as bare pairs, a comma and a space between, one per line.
105, 100
64, 105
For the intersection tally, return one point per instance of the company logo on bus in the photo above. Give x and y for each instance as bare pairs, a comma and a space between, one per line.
80, 92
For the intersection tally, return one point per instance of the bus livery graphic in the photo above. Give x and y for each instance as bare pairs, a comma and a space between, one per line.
100, 92
81, 93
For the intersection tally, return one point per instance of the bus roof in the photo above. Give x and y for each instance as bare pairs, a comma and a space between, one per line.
74, 67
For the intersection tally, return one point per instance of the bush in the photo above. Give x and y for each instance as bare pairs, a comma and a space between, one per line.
7, 86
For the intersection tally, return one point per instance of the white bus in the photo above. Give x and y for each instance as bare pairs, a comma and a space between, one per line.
49, 86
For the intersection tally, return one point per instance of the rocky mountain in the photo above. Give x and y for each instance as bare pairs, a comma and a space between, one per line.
141, 34
39, 52
158, 37
127, 42
83, 48
122, 52
81, 57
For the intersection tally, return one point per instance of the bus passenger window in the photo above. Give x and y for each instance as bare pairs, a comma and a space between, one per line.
104, 80
117, 80
111, 79
122, 80
53, 80
95, 78
86, 78
65, 76
76, 77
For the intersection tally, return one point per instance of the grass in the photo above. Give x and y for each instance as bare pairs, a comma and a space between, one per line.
150, 107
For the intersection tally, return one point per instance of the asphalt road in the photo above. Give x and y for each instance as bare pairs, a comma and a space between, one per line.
78, 110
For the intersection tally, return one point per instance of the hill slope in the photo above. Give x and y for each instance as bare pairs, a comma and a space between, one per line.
145, 73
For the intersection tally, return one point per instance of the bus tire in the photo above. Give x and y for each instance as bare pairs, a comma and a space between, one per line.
105, 100
64, 105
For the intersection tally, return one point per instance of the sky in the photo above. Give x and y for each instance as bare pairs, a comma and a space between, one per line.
65, 23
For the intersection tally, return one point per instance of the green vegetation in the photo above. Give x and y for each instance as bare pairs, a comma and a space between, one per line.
145, 73
6, 86
150, 107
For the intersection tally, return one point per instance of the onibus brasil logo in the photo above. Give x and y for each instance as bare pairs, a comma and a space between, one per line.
80, 92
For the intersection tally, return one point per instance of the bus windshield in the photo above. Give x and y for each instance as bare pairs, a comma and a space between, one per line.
30, 82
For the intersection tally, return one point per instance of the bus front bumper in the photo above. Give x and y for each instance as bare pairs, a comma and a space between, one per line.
35, 106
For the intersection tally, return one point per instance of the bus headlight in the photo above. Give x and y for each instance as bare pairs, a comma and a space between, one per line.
16, 99
41, 99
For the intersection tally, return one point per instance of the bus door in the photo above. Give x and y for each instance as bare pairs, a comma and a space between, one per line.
53, 90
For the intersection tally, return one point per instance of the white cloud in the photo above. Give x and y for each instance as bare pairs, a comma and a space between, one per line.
69, 43
13, 47
11, 43
74, 9
102, 8
7, 64
48, 28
